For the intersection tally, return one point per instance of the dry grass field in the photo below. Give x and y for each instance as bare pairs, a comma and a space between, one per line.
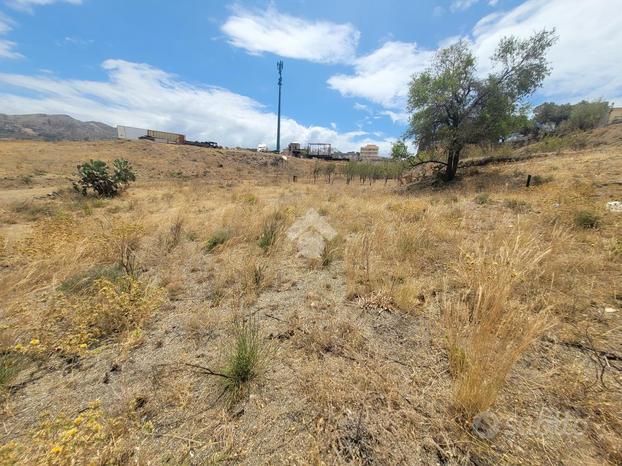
475, 323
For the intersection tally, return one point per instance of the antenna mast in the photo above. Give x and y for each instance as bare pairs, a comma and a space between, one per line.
279, 67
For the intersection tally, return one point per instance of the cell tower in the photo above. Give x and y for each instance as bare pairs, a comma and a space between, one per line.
279, 67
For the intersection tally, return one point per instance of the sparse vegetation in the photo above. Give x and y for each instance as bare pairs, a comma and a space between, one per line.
434, 303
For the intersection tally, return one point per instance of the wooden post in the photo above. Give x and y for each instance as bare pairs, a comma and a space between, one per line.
528, 180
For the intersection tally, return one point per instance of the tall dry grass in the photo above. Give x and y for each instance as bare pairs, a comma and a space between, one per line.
488, 326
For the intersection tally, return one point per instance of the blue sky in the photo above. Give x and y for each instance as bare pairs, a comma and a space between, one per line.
208, 69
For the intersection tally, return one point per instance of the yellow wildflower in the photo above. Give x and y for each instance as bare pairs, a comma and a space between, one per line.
56, 450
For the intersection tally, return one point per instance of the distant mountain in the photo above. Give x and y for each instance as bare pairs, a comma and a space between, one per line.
53, 128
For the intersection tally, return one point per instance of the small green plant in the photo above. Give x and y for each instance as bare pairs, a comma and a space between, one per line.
245, 359
481, 199
586, 219
95, 175
216, 239
271, 230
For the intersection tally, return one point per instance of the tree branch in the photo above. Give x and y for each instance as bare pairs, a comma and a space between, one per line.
207, 370
427, 161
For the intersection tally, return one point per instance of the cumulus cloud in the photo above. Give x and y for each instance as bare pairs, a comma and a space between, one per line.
587, 60
140, 95
383, 75
288, 36
28, 5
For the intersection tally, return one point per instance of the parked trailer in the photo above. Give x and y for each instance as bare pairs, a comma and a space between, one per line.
128, 132
169, 138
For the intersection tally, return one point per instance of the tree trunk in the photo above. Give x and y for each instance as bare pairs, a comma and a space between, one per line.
452, 162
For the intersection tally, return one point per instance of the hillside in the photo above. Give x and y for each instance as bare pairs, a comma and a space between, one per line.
53, 128
475, 323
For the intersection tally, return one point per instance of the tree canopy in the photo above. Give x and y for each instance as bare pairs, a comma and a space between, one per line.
451, 105
581, 116
399, 150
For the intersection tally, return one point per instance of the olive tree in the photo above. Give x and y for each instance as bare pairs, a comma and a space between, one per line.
451, 105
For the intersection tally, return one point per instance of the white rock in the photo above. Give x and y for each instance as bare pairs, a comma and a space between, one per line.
614, 206
311, 233
610, 310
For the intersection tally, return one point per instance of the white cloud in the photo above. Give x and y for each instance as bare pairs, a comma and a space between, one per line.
7, 50
460, 5
140, 95
28, 5
383, 75
6, 24
586, 61
7, 47
288, 36
396, 117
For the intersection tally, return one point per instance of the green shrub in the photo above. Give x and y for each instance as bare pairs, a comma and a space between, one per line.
95, 175
216, 239
481, 199
586, 219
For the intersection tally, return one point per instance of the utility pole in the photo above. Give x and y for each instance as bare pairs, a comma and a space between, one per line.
279, 67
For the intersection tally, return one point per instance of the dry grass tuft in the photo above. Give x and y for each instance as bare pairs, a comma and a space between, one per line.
488, 327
